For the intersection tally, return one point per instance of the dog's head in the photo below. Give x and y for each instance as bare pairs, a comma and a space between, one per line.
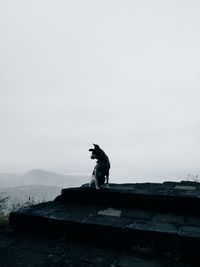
96, 152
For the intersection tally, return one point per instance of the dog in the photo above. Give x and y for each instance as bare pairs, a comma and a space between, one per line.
100, 173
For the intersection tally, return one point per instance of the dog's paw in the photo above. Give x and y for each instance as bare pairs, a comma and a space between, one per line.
97, 187
107, 186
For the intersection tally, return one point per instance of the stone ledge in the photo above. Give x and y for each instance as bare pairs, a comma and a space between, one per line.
148, 215
159, 197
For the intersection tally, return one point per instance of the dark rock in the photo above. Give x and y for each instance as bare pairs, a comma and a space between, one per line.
162, 219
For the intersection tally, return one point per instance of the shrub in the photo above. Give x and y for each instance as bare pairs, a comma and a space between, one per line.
5, 215
194, 178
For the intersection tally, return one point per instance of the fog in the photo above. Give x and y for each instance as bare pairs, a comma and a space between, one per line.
122, 74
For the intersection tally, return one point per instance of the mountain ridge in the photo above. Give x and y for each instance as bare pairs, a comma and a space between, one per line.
41, 177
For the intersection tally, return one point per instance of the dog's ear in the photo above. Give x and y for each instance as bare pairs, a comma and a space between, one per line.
96, 146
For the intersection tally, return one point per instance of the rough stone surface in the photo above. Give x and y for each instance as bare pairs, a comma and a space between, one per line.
158, 197
169, 218
156, 219
110, 212
185, 187
40, 251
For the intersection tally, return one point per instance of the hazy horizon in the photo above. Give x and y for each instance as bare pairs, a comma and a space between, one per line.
65, 180
122, 74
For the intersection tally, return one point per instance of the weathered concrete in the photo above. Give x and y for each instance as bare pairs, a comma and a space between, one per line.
162, 219
28, 250
168, 196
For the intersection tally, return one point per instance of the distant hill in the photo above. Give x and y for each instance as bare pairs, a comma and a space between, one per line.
41, 177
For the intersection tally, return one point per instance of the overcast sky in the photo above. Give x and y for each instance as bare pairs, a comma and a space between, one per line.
123, 74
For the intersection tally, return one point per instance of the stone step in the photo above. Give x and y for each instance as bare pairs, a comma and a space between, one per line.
159, 197
150, 231
156, 218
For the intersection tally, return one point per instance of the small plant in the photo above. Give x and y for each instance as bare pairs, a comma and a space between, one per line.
30, 202
3, 202
194, 178
3, 216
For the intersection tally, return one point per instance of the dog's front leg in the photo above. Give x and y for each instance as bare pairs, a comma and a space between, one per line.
96, 173
96, 184
91, 181
94, 180
107, 180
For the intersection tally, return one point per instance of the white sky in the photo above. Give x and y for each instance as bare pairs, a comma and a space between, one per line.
123, 74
